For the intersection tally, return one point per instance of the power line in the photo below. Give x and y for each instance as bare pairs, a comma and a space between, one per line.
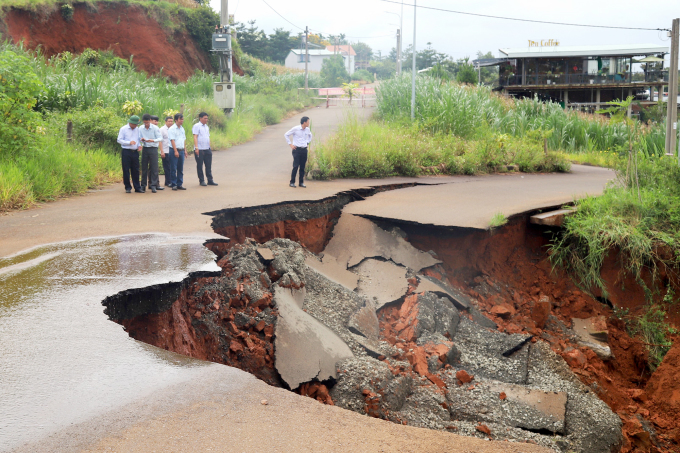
528, 20
270, 7
318, 31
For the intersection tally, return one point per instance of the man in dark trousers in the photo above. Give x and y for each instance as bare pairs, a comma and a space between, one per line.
128, 139
165, 150
150, 136
203, 149
301, 138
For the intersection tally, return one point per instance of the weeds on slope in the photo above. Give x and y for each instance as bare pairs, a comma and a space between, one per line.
375, 149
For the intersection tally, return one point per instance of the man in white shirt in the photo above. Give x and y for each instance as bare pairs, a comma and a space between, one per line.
128, 139
203, 149
150, 136
165, 150
178, 153
301, 138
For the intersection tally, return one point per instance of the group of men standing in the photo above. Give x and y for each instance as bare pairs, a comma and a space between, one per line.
170, 139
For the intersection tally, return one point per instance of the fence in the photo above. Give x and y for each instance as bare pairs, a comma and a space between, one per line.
336, 96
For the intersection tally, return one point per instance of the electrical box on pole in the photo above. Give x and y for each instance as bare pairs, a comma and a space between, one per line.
224, 91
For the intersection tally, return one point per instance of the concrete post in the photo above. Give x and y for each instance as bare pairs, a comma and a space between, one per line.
597, 97
630, 107
566, 98
672, 114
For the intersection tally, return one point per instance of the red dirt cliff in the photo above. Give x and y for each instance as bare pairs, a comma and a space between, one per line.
125, 29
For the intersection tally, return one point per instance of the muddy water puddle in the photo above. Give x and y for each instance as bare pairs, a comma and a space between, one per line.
62, 360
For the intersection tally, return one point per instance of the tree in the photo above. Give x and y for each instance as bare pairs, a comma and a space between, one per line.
363, 50
384, 69
19, 89
252, 41
489, 74
466, 72
318, 40
333, 71
425, 58
279, 45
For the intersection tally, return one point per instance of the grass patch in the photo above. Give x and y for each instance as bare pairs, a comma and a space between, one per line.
606, 159
498, 220
376, 149
653, 329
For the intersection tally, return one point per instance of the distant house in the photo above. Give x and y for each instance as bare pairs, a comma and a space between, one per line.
296, 57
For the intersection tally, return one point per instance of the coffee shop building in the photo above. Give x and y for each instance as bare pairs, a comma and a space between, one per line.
583, 77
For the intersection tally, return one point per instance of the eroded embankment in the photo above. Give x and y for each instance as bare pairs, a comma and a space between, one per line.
478, 336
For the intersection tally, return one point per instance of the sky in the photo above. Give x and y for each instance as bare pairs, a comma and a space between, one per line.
375, 22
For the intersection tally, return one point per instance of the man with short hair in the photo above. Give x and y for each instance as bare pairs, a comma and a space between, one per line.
128, 139
165, 150
178, 153
301, 138
203, 149
150, 136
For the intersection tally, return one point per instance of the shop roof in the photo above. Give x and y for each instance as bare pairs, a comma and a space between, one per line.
584, 51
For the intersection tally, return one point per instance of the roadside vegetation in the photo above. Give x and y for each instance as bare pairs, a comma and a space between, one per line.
97, 91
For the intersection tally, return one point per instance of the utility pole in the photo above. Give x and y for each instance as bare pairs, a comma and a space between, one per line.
672, 105
413, 72
398, 52
401, 27
306, 59
224, 91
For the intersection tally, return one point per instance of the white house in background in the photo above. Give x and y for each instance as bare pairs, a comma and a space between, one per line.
348, 54
296, 59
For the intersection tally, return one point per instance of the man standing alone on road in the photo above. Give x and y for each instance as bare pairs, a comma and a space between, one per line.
203, 149
177, 138
165, 150
301, 138
128, 138
150, 136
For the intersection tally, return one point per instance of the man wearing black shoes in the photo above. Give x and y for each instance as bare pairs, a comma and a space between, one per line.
128, 139
150, 137
301, 138
203, 149
177, 152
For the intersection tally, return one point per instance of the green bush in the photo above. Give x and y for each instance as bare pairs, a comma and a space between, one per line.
67, 12
19, 89
363, 75
333, 71
97, 126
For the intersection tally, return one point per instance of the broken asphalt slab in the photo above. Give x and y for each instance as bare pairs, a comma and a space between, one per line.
355, 239
305, 348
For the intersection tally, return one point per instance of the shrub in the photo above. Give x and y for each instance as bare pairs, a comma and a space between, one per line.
19, 88
97, 126
67, 11
333, 71
363, 75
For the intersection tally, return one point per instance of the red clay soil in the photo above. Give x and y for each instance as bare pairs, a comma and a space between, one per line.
510, 275
125, 29
201, 324
313, 234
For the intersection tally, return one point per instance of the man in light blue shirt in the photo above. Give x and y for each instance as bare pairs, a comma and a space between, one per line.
203, 149
128, 138
178, 153
150, 136
301, 138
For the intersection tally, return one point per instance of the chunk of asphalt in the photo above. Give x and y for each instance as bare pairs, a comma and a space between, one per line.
442, 289
481, 353
333, 271
382, 281
265, 254
355, 239
305, 348
592, 333
520, 407
514, 349
372, 347
479, 318
364, 321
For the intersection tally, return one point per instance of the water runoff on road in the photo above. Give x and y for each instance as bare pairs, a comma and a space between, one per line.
61, 360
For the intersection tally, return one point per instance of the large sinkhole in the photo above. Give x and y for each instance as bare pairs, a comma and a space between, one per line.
443, 328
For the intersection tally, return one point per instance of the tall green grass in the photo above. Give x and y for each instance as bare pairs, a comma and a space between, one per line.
463, 109
377, 150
